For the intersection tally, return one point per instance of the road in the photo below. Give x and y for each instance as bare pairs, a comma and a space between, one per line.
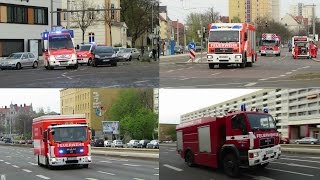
267, 72
19, 163
126, 74
293, 167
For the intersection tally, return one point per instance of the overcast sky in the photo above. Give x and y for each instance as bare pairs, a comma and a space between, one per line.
175, 102
40, 98
176, 9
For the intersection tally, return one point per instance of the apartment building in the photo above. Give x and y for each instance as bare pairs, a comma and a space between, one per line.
304, 10
296, 111
22, 21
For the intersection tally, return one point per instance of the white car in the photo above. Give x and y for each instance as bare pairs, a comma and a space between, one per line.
117, 143
19, 60
107, 143
133, 144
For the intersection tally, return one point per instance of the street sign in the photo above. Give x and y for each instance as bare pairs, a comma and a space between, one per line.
192, 54
192, 46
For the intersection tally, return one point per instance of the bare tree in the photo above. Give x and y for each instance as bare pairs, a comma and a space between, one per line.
84, 19
110, 17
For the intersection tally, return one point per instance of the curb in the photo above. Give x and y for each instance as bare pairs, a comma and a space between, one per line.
314, 59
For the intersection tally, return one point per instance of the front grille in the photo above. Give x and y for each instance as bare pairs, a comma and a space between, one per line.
267, 142
72, 150
71, 161
269, 48
224, 50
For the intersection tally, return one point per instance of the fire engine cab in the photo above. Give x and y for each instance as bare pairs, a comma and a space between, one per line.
61, 140
85, 53
301, 47
270, 44
240, 138
231, 43
58, 49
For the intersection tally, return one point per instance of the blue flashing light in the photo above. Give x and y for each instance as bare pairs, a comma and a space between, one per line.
214, 27
243, 107
236, 27
45, 35
60, 151
265, 110
58, 32
81, 150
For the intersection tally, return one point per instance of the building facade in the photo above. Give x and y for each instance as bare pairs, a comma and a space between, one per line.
304, 10
22, 21
251, 10
296, 111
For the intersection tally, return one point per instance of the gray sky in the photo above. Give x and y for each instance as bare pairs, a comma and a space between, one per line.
38, 97
175, 102
176, 9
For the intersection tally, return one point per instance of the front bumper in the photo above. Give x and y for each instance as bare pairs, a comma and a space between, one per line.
63, 63
264, 155
60, 161
7, 66
269, 52
105, 61
83, 60
224, 58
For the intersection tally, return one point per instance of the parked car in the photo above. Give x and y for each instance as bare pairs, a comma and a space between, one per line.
128, 54
132, 144
143, 143
135, 54
29, 141
117, 143
178, 50
22, 141
107, 143
154, 144
307, 140
284, 141
19, 60
104, 55
99, 143
7, 140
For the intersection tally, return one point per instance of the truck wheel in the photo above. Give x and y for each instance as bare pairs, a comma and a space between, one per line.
48, 165
211, 65
231, 165
39, 164
85, 166
89, 62
262, 166
190, 159
75, 66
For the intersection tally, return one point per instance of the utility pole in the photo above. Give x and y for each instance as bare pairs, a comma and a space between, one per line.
185, 37
152, 27
201, 38
51, 14
177, 32
313, 22
68, 14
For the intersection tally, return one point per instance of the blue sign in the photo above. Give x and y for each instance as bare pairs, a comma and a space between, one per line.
192, 46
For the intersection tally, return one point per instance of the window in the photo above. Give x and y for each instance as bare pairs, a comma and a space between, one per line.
237, 122
17, 14
41, 16
31, 55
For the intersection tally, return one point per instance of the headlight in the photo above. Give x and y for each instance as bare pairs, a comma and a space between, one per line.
97, 56
255, 154
114, 55
89, 158
238, 56
73, 56
52, 58
53, 160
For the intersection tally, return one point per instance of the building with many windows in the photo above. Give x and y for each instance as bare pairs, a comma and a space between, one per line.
22, 21
296, 111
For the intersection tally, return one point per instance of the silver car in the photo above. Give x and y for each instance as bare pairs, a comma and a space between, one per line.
135, 53
19, 60
117, 143
307, 140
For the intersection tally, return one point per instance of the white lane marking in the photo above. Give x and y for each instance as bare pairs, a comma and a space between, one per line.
283, 75
311, 157
91, 179
180, 69
296, 165
15, 166
156, 168
156, 174
26, 170
183, 79
134, 165
294, 70
170, 71
300, 160
233, 70
106, 173
32, 163
116, 159
215, 74
305, 67
137, 179
263, 79
28, 157
1, 160
172, 167
66, 76
7, 162
3, 177
137, 82
292, 172
250, 84
43, 177
258, 177
288, 72
105, 161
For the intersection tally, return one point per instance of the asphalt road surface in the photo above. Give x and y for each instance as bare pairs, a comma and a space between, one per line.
267, 72
293, 167
19, 163
126, 74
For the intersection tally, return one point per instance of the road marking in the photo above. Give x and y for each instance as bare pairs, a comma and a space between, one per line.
311, 157
91, 179
288, 72
294, 70
106, 173
7, 162
26, 170
180, 69
1, 160
32, 163
263, 79
301, 160
15, 166
184, 79
134, 165
170, 71
215, 74
43, 177
156, 168
3, 177
111, 159
137, 82
137, 179
189, 68
250, 84
156, 174
306, 67
233, 70
297, 165
258, 177
105, 161
283, 75
290, 172
28, 157
172, 167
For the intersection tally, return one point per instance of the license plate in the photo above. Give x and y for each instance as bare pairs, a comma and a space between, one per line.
63, 63
269, 152
72, 158
106, 60
223, 57
269, 52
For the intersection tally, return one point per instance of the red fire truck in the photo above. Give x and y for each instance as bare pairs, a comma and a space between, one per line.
301, 47
231, 43
61, 140
240, 138
270, 44
58, 49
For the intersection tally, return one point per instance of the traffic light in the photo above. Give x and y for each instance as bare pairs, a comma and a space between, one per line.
266, 24
112, 11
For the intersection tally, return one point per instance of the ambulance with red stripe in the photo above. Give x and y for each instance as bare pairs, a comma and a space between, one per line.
58, 49
270, 44
238, 139
61, 140
85, 53
231, 43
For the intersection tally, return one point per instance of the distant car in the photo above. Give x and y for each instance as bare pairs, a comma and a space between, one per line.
7, 140
133, 144
307, 140
284, 141
19, 60
104, 55
99, 143
22, 141
135, 54
143, 143
107, 143
154, 144
178, 50
85, 54
117, 143
29, 141
198, 48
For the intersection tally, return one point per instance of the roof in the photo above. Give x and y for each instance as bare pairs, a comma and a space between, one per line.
180, 25
163, 9
162, 18
69, 116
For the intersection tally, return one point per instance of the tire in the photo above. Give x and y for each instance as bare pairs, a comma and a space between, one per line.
138, 58
35, 65
312, 142
231, 165
48, 165
18, 66
89, 62
244, 63
130, 58
85, 166
249, 64
2, 69
94, 64
223, 66
211, 65
189, 159
262, 166
75, 66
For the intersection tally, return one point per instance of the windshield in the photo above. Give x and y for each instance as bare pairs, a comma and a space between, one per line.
224, 36
261, 121
104, 49
15, 56
61, 41
268, 42
127, 50
70, 134
85, 48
